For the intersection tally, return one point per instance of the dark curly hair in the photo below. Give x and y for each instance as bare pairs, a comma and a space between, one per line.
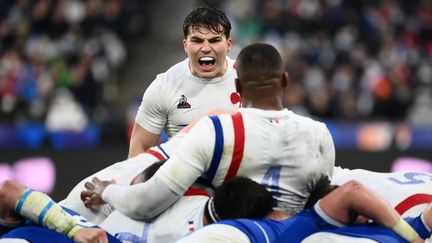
241, 197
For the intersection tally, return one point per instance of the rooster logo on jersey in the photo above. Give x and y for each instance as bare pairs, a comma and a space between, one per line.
183, 104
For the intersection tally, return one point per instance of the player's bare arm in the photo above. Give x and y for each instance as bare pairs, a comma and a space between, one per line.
141, 140
353, 198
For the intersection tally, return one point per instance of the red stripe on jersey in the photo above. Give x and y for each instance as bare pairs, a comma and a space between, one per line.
196, 192
156, 154
239, 140
412, 201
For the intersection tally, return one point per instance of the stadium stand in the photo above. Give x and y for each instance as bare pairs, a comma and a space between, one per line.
59, 65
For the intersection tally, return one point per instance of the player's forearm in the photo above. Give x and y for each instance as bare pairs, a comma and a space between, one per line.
369, 204
41, 209
141, 201
141, 140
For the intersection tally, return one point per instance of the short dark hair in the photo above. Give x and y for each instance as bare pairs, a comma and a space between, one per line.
208, 17
241, 197
322, 188
259, 61
148, 172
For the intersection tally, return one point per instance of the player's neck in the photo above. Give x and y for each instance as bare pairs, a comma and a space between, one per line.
264, 104
278, 215
268, 98
206, 217
205, 220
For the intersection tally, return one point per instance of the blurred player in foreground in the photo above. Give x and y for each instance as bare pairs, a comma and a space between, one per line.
192, 211
338, 209
408, 192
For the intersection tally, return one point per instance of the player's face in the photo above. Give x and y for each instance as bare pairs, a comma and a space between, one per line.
207, 52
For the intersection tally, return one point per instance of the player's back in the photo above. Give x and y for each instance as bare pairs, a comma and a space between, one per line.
294, 229
407, 192
183, 217
286, 152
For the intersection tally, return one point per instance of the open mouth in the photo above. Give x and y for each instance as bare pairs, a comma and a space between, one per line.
206, 62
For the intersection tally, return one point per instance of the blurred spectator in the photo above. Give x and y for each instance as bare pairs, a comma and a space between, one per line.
348, 60
48, 45
65, 114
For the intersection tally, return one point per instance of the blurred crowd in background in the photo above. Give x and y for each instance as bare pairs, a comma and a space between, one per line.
353, 60
348, 60
60, 59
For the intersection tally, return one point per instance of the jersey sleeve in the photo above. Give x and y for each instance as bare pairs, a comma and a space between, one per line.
191, 159
140, 201
327, 150
174, 177
152, 113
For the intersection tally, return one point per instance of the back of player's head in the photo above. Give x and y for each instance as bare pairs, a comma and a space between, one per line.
322, 188
259, 62
147, 173
207, 17
239, 197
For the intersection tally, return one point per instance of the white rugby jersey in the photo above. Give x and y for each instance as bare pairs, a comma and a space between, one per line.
286, 152
216, 233
175, 98
407, 192
122, 172
182, 218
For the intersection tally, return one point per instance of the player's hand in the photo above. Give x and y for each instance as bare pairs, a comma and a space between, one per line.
92, 196
91, 235
418, 240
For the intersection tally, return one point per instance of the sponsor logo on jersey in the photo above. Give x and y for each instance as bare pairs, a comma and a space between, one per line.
183, 104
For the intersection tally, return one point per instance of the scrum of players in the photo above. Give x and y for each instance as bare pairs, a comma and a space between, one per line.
255, 173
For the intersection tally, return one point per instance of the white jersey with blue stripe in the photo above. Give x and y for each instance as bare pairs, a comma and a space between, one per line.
408, 192
176, 98
182, 218
286, 152
122, 172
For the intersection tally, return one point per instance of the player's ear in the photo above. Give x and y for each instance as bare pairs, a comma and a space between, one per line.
229, 43
185, 46
285, 79
238, 86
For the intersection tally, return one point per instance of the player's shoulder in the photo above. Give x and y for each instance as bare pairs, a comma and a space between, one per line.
231, 63
308, 122
231, 67
223, 119
210, 123
173, 74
